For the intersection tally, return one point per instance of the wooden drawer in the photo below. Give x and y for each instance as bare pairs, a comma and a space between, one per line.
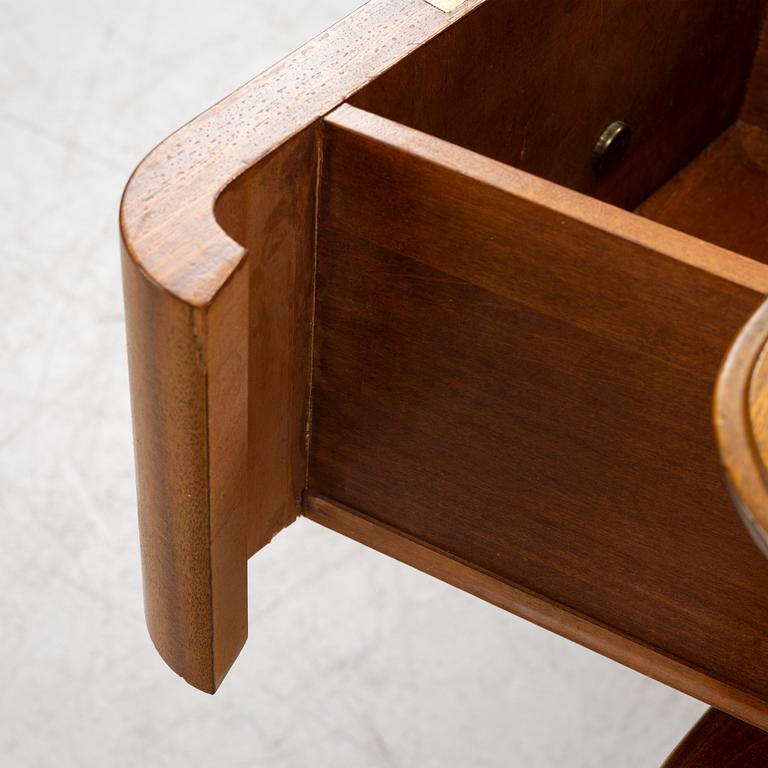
394, 285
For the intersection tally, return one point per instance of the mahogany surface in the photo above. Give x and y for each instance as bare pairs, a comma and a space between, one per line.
217, 234
549, 429
478, 371
533, 84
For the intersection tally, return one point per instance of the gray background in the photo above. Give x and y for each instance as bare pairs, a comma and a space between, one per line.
354, 659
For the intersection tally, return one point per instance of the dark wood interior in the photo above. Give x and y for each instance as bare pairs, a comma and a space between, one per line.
722, 196
536, 87
530, 393
458, 300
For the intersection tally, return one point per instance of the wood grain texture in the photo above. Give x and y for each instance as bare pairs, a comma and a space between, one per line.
720, 741
529, 391
741, 426
172, 192
755, 107
722, 196
219, 227
534, 84
188, 400
270, 209
219, 356
539, 609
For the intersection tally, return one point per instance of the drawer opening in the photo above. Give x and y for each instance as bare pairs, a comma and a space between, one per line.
536, 85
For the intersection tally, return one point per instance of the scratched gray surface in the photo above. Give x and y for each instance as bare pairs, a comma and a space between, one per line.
353, 660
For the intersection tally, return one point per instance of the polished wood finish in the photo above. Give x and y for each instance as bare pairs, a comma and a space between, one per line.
721, 741
217, 225
534, 607
270, 210
188, 398
722, 196
474, 369
496, 402
741, 425
534, 84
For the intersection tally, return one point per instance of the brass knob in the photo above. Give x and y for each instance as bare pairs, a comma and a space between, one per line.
611, 145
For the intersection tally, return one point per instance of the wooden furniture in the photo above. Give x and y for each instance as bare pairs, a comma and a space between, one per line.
414, 283
720, 741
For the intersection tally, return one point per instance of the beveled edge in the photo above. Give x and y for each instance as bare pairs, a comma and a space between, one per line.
578, 206
744, 467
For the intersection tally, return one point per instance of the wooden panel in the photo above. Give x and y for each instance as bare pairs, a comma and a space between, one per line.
722, 196
533, 607
755, 109
270, 210
720, 741
520, 377
535, 83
